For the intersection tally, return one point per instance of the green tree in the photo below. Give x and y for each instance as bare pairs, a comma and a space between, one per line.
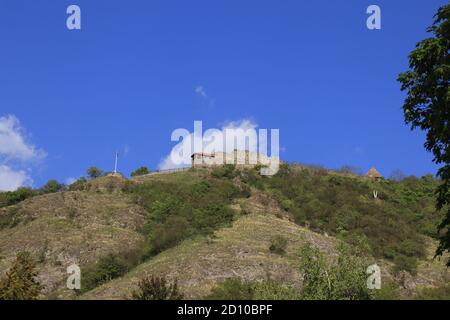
232, 289
225, 171
316, 280
20, 281
80, 184
278, 244
344, 279
140, 172
108, 268
272, 290
52, 186
427, 105
94, 172
12, 197
239, 289
157, 288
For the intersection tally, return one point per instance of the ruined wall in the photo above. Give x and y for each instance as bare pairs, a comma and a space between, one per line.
238, 158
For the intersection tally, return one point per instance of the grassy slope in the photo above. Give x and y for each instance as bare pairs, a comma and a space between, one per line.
239, 251
82, 226
243, 251
69, 227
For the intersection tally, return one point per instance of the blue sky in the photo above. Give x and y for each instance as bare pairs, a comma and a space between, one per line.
140, 69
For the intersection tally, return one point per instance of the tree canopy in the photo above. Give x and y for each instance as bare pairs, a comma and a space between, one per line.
20, 281
140, 172
427, 105
94, 172
52, 186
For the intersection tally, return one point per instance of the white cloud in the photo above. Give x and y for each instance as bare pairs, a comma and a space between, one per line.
167, 164
10, 179
201, 91
241, 127
70, 181
17, 155
13, 144
240, 124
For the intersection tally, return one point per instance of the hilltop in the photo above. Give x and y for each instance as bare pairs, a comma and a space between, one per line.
204, 226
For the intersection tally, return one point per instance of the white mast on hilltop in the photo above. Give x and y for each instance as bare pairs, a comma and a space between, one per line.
116, 161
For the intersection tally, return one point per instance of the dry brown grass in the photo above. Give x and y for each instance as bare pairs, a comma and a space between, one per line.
243, 251
240, 251
70, 227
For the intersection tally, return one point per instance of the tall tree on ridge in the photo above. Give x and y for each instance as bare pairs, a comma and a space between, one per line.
427, 106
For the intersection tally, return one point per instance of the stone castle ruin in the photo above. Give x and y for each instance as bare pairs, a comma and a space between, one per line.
240, 158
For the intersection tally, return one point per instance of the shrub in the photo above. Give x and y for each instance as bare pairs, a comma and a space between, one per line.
20, 281
410, 248
245, 210
284, 170
389, 253
237, 289
10, 218
252, 177
226, 171
344, 279
278, 244
350, 170
157, 288
316, 280
388, 291
52, 186
343, 206
140, 172
94, 172
109, 267
211, 217
271, 290
13, 197
405, 263
79, 185
181, 209
201, 188
169, 234
232, 289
